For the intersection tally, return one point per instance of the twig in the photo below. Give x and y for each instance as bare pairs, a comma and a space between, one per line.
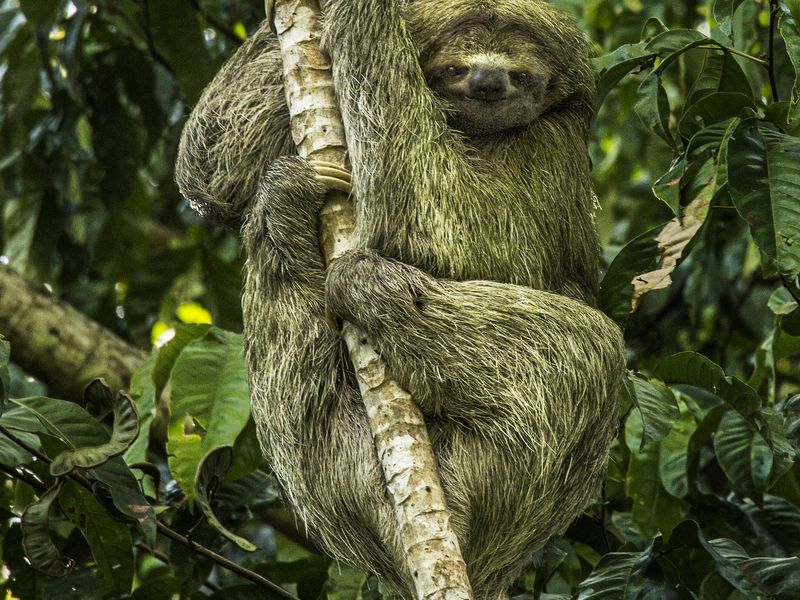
24, 477
790, 288
166, 531
773, 24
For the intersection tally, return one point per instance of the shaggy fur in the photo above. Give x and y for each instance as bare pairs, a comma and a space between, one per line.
477, 287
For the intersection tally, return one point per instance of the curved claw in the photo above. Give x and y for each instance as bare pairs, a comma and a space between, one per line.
332, 176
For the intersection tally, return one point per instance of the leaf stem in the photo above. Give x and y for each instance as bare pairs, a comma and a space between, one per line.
165, 530
755, 59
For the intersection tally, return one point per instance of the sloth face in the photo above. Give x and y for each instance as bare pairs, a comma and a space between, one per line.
494, 79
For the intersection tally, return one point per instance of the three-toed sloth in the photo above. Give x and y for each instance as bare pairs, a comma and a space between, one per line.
467, 124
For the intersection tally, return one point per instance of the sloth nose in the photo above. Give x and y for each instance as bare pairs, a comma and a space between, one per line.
488, 83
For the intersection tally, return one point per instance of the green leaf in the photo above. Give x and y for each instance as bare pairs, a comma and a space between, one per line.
41, 13
790, 32
210, 474
143, 392
690, 368
721, 73
210, 403
653, 108
743, 455
764, 177
11, 455
616, 291
672, 43
169, 352
654, 508
776, 578
657, 405
125, 431
773, 528
177, 35
109, 540
723, 14
75, 427
345, 583
5, 377
613, 67
36, 543
623, 576
712, 109
673, 463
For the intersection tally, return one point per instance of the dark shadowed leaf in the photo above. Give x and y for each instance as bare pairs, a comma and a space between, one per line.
613, 67
654, 508
777, 578
36, 542
653, 107
616, 291
109, 540
723, 14
622, 576
210, 475
5, 377
125, 431
656, 403
690, 368
764, 176
743, 454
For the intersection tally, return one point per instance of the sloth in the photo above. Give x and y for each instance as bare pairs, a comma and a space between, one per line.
467, 124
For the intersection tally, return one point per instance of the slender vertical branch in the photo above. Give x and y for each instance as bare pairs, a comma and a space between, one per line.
433, 555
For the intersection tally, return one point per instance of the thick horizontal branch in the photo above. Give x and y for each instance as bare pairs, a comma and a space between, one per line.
58, 344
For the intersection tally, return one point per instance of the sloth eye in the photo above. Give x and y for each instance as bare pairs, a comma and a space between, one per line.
520, 76
454, 71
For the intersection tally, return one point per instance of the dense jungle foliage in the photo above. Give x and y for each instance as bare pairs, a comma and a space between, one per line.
696, 152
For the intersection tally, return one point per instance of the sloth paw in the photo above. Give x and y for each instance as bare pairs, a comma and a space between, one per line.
365, 288
332, 176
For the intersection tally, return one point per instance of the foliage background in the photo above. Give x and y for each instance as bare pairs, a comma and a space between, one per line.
702, 497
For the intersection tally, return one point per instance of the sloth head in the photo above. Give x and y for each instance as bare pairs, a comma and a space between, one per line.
501, 65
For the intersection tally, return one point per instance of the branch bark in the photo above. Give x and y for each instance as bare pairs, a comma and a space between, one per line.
58, 344
398, 427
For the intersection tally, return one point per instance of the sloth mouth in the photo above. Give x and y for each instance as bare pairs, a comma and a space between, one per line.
488, 100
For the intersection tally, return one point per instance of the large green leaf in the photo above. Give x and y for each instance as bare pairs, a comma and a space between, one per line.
690, 368
616, 290
764, 177
657, 405
654, 508
36, 542
653, 108
776, 578
790, 32
75, 427
209, 405
622, 576
743, 454
723, 14
178, 36
613, 67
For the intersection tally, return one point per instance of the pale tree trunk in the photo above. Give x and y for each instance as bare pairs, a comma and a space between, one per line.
398, 428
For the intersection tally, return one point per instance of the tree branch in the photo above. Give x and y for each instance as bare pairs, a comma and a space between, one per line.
58, 344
